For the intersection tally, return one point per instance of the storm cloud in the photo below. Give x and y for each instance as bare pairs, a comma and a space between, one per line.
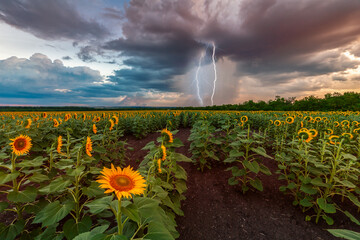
162, 39
50, 19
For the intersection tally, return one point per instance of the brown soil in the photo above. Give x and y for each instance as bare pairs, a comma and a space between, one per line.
215, 210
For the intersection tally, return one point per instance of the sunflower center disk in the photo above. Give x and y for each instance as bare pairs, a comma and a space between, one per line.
20, 144
122, 183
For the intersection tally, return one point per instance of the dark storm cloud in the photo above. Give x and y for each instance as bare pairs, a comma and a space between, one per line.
66, 58
162, 38
50, 19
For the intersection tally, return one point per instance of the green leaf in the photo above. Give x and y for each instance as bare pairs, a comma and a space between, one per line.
344, 233
53, 213
132, 212
27, 195
72, 229
261, 151
305, 203
265, 170
160, 192
157, 231
3, 206
252, 166
328, 220
291, 185
100, 204
349, 156
180, 173
236, 172
93, 190
235, 154
180, 186
307, 188
318, 182
233, 181
75, 172
36, 162
99, 149
346, 183
146, 206
180, 157
7, 177
38, 177
327, 207
352, 218
256, 183
58, 185
354, 199
230, 160
10, 232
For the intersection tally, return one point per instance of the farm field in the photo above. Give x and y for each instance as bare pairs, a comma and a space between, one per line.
196, 175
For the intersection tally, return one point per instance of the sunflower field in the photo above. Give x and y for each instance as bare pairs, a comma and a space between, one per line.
67, 175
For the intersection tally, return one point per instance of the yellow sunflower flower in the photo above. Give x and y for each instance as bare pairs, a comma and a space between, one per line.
277, 123
111, 124
59, 144
56, 123
334, 139
163, 149
169, 134
244, 118
21, 144
329, 131
94, 129
29, 121
289, 120
123, 182
88, 146
159, 164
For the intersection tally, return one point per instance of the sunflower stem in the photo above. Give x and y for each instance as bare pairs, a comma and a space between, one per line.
120, 225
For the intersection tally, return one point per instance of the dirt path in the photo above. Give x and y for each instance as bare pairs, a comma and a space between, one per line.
215, 210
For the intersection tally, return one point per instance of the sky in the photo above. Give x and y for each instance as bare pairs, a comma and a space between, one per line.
175, 52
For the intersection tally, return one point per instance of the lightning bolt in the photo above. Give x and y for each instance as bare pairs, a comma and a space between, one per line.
214, 65
197, 78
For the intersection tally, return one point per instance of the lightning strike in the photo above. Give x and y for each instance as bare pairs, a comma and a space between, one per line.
215, 78
197, 78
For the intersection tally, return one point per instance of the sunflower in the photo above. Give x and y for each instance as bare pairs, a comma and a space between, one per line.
59, 144
124, 182
168, 134
44, 115
163, 150
111, 124
356, 130
244, 118
159, 163
277, 123
289, 120
336, 124
21, 144
305, 135
329, 131
301, 124
56, 123
28, 123
271, 121
334, 139
94, 129
88, 146
313, 132
345, 123
116, 119
347, 135
318, 119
